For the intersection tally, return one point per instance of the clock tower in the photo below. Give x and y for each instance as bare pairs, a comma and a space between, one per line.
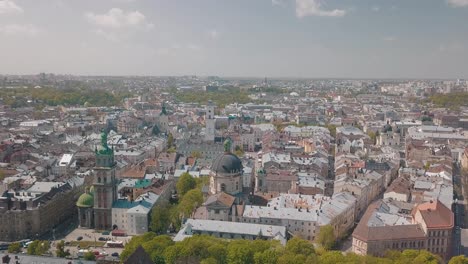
105, 185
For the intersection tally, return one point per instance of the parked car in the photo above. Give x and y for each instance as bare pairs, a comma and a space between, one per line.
79, 238
115, 254
102, 239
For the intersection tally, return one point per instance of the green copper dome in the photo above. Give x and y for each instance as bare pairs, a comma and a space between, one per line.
85, 200
91, 190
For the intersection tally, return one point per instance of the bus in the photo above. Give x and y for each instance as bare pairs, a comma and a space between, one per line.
4, 246
115, 244
82, 252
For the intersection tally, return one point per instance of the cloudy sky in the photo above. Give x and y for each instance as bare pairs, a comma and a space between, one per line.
274, 38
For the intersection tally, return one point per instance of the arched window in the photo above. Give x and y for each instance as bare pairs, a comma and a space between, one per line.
99, 179
105, 179
223, 187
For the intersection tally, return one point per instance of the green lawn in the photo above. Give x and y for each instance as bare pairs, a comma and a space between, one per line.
87, 244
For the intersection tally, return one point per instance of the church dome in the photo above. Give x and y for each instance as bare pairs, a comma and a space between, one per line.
227, 163
387, 128
91, 190
85, 200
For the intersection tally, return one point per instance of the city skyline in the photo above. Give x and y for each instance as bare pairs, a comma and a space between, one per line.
276, 38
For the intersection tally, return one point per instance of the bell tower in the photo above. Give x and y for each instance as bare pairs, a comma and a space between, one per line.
210, 122
105, 185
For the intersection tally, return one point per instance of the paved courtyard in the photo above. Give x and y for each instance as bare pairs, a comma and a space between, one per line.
92, 237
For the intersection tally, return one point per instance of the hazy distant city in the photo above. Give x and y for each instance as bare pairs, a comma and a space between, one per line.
124, 140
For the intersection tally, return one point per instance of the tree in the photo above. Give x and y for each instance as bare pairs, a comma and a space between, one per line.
300, 246
196, 154
171, 150
332, 129
326, 237
170, 140
332, 257
291, 259
89, 256
185, 183
459, 260
61, 252
373, 136
266, 257
38, 247
160, 219
427, 166
156, 246
239, 252
189, 202
238, 151
14, 248
218, 251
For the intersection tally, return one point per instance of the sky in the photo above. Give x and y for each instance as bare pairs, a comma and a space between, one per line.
236, 38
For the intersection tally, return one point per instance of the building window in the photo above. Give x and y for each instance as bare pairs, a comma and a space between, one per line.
223, 187
216, 211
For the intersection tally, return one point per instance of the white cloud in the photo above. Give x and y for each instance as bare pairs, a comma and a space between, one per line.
19, 30
9, 7
452, 47
390, 38
278, 2
117, 18
163, 51
214, 34
314, 8
376, 8
111, 36
177, 49
458, 3
193, 47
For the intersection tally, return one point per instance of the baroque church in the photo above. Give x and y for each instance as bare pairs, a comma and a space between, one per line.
95, 205
226, 199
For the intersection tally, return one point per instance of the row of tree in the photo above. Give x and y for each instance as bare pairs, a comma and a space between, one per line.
450, 100
40, 247
220, 98
206, 249
50, 96
170, 215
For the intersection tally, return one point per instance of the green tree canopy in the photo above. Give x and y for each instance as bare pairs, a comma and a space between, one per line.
38, 247
60, 249
14, 248
160, 218
196, 154
170, 140
208, 249
299, 246
185, 183
459, 260
89, 256
189, 202
326, 237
